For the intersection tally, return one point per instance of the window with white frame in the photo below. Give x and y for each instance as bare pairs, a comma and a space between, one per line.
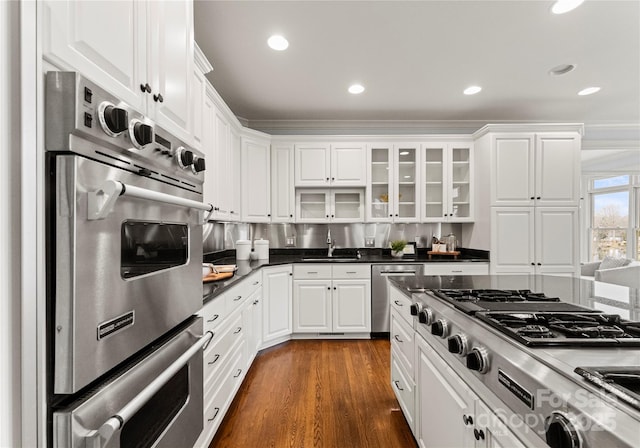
614, 216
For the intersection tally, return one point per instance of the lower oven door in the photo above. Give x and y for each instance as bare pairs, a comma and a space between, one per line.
156, 403
121, 281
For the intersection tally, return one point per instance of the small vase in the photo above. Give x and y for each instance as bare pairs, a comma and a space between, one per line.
397, 254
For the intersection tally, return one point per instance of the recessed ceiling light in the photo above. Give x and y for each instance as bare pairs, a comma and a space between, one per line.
589, 91
472, 90
562, 6
562, 69
278, 42
356, 89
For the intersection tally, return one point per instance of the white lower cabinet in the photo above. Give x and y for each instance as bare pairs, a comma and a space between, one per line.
231, 350
332, 299
276, 304
449, 413
404, 388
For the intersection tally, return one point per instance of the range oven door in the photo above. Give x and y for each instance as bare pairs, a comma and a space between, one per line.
156, 403
119, 282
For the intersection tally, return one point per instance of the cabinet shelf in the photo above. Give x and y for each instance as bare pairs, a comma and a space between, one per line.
379, 183
433, 162
380, 163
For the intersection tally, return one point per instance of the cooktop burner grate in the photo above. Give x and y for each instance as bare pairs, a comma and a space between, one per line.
575, 329
493, 295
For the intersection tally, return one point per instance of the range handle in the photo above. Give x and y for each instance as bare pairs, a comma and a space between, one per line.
102, 200
101, 437
397, 273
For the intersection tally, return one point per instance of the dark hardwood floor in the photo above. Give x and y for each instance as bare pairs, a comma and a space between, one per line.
330, 394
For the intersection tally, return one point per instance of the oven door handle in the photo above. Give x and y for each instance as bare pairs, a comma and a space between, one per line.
100, 438
102, 200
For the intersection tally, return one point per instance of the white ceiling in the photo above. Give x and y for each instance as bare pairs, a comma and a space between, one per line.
416, 57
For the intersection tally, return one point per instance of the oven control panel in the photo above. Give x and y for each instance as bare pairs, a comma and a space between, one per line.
103, 127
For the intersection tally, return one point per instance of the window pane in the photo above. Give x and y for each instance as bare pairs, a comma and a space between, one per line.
611, 209
611, 181
608, 243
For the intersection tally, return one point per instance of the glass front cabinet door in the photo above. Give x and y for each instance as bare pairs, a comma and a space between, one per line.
447, 182
394, 190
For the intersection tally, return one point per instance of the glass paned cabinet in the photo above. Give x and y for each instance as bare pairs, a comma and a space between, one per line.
447, 182
393, 190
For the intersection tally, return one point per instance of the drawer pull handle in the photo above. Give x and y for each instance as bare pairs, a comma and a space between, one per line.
398, 339
215, 358
238, 374
396, 383
478, 434
468, 420
351, 272
214, 415
457, 271
238, 330
398, 303
215, 316
237, 298
312, 272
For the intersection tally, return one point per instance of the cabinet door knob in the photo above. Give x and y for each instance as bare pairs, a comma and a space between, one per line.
538, 198
532, 198
328, 288
290, 216
146, 88
539, 264
158, 98
327, 179
333, 178
533, 264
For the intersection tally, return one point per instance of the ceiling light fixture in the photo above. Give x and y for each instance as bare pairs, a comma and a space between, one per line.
562, 6
278, 42
356, 89
562, 69
589, 91
472, 90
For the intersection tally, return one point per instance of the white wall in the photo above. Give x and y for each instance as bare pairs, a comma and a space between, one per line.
10, 295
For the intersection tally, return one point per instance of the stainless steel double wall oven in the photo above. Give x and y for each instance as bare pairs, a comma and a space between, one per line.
124, 255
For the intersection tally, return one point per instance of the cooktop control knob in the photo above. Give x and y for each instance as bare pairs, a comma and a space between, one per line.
113, 120
141, 134
198, 164
184, 157
425, 316
478, 360
415, 308
457, 344
440, 328
561, 433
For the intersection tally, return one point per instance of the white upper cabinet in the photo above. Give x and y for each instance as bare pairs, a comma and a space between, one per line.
82, 36
314, 205
535, 240
323, 165
198, 91
283, 194
235, 172
171, 65
142, 52
210, 187
447, 179
222, 165
256, 180
393, 176
536, 169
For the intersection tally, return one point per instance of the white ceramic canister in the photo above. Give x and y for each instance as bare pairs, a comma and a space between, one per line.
243, 249
262, 249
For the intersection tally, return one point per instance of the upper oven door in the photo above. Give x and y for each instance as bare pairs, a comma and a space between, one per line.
121, 281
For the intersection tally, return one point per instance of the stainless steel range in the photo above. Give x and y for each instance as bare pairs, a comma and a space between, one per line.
124, 250
570, 373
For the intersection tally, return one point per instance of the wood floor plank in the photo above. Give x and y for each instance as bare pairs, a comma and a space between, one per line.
329, 393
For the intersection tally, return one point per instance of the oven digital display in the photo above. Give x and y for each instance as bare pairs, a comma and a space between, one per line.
147, 247
163, 142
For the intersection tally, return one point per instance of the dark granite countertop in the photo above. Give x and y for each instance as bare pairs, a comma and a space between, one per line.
289, 256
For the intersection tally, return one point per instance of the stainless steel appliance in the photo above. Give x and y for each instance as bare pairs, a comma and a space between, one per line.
380, 319
124, 249
535, 362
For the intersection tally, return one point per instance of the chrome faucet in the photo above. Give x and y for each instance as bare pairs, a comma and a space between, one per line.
331, 243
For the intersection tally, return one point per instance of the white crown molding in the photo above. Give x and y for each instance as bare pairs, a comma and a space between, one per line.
371, 139
529, 127
201, 61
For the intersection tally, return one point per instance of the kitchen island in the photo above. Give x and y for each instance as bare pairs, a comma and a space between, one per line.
516, 360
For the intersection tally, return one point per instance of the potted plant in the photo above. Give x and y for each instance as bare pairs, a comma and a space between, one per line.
397, 248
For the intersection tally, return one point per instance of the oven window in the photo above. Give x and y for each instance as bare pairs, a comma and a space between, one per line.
144, 428
151, 246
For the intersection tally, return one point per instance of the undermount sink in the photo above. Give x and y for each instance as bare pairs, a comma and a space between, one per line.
331, 259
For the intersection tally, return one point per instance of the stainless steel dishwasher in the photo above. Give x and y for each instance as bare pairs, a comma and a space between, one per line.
380, 313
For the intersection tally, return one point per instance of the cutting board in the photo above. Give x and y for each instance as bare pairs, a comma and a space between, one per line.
213, 277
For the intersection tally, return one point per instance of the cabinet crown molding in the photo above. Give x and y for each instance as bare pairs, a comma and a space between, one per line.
529, 127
